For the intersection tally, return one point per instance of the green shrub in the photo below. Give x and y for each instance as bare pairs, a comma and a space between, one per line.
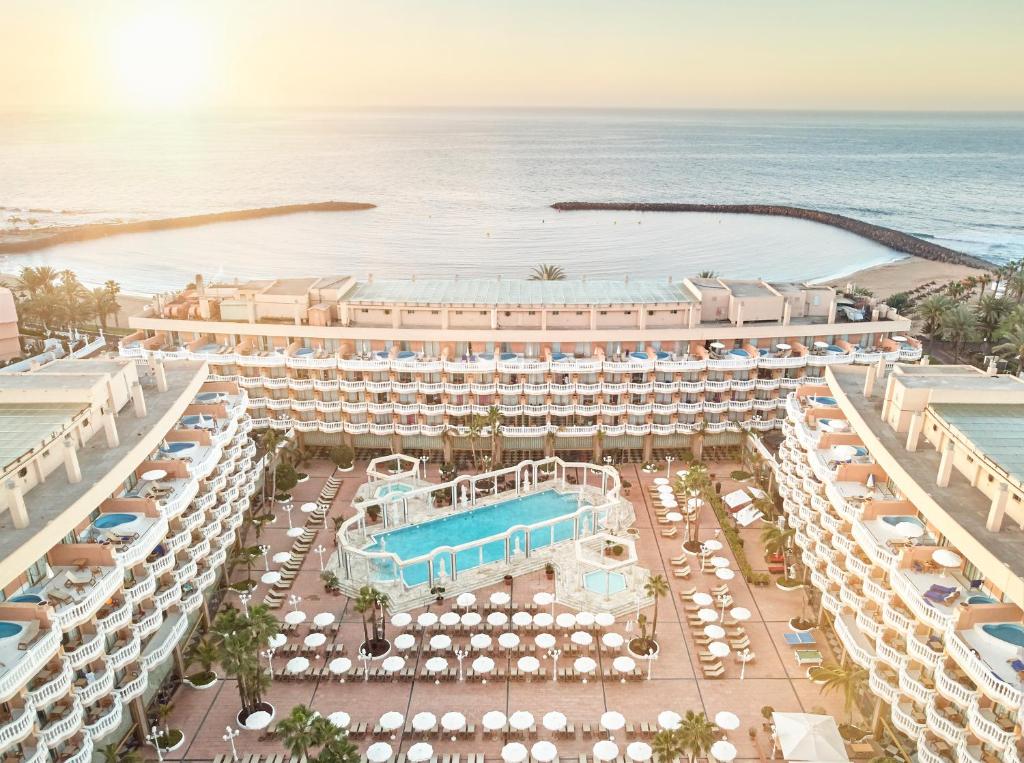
342, 456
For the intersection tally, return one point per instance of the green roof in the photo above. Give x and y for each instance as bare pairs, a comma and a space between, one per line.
491, 291
995, 430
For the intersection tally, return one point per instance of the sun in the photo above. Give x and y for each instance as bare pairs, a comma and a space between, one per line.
158, 61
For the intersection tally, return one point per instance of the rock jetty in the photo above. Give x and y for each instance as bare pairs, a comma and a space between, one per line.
894, 239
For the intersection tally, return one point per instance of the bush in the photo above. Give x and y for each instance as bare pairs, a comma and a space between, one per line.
287, 477
739, 475
343, 456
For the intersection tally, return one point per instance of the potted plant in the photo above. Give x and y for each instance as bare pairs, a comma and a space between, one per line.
508, 580
646, 644
343, 457
169, 739
241, 637
331, 582
549, 570
373, 605
205, 655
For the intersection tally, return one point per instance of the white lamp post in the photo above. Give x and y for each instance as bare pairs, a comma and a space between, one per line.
321, 551
723, 600
554, 654
650, 663
269, 654
668, 466
229, 737
288, 510
265, 550
460, 655
744, 659
245, 597
423, 466
294, 601
154, 738
364, 656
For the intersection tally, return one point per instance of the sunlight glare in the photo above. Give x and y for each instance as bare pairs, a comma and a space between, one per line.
158, 61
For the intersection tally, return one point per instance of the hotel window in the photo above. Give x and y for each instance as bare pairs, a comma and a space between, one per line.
37, 571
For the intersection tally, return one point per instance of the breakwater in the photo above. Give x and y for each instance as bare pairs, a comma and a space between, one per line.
14, 242
894, 239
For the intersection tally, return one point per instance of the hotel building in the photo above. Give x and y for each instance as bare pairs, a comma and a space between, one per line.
573, 367
122, 488
906, 493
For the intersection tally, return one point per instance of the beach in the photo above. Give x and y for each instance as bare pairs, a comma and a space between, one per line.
904, 275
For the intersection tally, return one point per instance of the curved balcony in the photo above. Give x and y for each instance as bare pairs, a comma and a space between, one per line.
191, 602
18, 728
858, 647
159, 649
881, 686
893, 656
896, 620
63, 727
984, 725
99, 687
187, 571
168, 596
149, 623
948, 686
914, 599
914, 685
904, 719
920, 650
159, 566
943, 725
86, 652
67, 616
979, 672
141, 546
54, 688
122, 654
133, 687
28, 663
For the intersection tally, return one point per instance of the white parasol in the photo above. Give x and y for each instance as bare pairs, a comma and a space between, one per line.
543, 620
401, 619
719, 648
419, 753
295, 617
471, 619
270, 578
339, 719
426, 619
391, 720
714, 631
497, 619
308, 508
277, 640
453, 721
724, 573
545, 640
639, 751
449, 619
624, 664
707, 615
465, 599
613, 720
528, 664
500, 599
258, 720
508, 641
340, 665
946, 558
440, 641
494, 720
585, 619
566, 620
669, 719
393, 664
555, 721
379, 752
702, 599
522, 619
480, 641
313, 640
404, 642
281, 557
604, 619
296, 664
543, 599
727, 721
514, 752
584, 665
323, 619
424, 721
544, 751
436, 664
612, 640
521, 720
723, 751
606, 750
482, 665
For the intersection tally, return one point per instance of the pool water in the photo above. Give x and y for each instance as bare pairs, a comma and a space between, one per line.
208, 397
304, 351
107, 521
396, 487
981, 599
897, 519
27, 598
604, 582
739, 352
820, 400
177, 447
9, 629
1011, 633
475, 524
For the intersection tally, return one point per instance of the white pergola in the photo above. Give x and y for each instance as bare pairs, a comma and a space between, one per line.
394, 467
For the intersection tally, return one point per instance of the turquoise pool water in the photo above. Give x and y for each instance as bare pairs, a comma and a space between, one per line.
396, 487
106, 521
896, 519
821, 400
980, 599
475, 524
208, 397
177, 447
27, 598
604, 582
9, 629
1011, 633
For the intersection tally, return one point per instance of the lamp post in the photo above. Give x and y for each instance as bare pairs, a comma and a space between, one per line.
294, 601
423, 466
723, 599
554, 654
650, 663
269, 654
245, 597
744, 656
364, 657
265, 550
668, 466
229, 736
289, 508
321, 551
460, 655
154, 739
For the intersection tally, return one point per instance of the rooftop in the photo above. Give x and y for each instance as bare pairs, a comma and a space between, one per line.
481, 291
47, 503
960, 500
29, 425
996, 430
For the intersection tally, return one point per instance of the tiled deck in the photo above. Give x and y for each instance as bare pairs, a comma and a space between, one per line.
773, 678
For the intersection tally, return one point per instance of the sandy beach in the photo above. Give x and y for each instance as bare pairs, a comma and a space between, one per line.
904, 275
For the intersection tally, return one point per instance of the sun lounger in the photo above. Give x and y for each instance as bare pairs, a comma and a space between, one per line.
669, 533
798, 639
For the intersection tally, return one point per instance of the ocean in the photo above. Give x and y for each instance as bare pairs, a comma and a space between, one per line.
464, 192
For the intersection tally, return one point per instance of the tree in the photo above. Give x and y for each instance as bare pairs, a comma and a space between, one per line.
285, 478
847, 680
930, 310
241, 637
339, 749
364, 603
666, 746
37, 280
246, 555
1015, 286
206, 653
707, 274
696, 734
777, 540
959, 326
343, 456
371, 600
494, 420
898, 301
271, 440
548, 273
111, 753
991, 311
474, 430
656, 587
301, 730
1012, 345
101, 304
956, 290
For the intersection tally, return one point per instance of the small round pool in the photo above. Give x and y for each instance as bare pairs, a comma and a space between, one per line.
604, 582
305, 351
177, 447
739, 352
1011, 633
835, 348
899, 519
559, 356
821, 400
507, 356
638, 355
407, 354
395, 487
9, 629
107, 521
27, 598
981, 598
662, 355
208, 397
190, 421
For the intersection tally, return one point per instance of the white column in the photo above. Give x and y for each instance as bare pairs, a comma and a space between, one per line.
71, 465
869, 382
997, 511
787, 313
161, 375
138, 400
914, 435
945, 466
110, 429
19, 513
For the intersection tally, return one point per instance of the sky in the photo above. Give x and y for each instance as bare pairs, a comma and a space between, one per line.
137, 55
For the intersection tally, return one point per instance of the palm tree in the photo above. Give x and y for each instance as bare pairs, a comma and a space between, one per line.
364, 603
494, 421
666, 746
849, 680
982, 282
241, 638
930, 310
956, 290
110, 753
245, 555
206, 652
959, 326
37, 280
696, 734
1012, 345
301, 730
1015, 285
101, 304
474, 430
271, 441
339, 749
777, 540
548, 273
707, 274
656, 587
991, 311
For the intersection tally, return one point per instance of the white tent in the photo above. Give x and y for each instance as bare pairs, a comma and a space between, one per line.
735, 499
807, 737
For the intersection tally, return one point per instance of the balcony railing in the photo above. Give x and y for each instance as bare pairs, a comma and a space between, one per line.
945, 727
54, 688
987, 729
18, 728
70, 615
952, 689
99, 687
87, 651
133, 688
915, 601
56, 732
981, 674
28, 663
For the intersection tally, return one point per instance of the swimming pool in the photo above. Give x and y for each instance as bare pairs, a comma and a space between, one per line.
208, 397
898, 519
476, 524
1011, 633
9, 629
605, 583
395, 487
107, 521
27, 598
822, 401
176, 447
981, 599
305, 351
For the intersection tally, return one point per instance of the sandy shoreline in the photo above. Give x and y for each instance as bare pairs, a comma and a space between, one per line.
904, 275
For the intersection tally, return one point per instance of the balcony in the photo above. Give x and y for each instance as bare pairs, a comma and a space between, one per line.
911, 586
132, 686
80, 592
990, 728
15, 725
91, 691
21, 664
907, 720
860, 649
916, 686
161, 645
927, 653
88, 649
882, 684
954, 686
892, 655
63, 722
987, 668
946, 723
50, 684
143, 588
124, 650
